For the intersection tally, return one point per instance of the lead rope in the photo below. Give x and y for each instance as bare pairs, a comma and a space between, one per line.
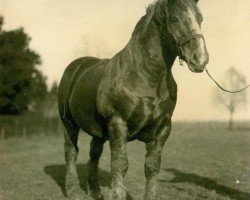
236, 91
181, 63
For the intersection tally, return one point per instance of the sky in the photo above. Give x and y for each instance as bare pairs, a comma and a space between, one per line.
63, 30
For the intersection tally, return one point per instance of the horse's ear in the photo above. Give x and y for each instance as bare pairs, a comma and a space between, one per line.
196, 1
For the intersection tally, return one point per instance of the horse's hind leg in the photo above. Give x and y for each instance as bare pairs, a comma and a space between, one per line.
96, 148
73, 189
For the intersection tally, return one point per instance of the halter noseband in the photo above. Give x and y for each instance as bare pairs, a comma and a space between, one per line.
189, 37
183, 41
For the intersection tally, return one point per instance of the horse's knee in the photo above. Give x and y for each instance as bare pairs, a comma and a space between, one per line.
152, 166
120, 165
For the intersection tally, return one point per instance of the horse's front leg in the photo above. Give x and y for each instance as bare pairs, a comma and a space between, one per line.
119, 161
153, 162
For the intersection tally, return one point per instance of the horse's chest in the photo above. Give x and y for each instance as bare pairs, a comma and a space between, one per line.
148, 115
143, 113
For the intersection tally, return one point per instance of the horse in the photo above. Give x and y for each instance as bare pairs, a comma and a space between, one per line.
129, 97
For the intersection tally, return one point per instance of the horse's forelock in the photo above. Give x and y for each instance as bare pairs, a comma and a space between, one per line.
158, 9
183, 5
152, 9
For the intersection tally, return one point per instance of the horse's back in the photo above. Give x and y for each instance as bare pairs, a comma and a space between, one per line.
77, 94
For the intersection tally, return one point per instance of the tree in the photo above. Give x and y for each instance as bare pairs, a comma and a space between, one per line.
1, 23
232, 101
21, 83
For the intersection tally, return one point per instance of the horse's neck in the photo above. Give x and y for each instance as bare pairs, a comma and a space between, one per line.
145, 53
141, 67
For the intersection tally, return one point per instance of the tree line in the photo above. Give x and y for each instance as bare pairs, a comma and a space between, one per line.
22, 85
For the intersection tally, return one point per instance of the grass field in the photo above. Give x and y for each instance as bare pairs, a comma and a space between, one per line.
200, 161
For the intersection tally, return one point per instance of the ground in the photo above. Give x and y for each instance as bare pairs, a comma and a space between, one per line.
200, 161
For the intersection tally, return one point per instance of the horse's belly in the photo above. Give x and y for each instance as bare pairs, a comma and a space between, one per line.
83, 102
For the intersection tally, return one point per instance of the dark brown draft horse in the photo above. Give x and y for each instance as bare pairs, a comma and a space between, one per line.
130, 96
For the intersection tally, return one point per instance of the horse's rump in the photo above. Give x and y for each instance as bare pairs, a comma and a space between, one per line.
77, 94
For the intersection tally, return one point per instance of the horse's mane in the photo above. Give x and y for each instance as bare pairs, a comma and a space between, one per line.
151, 11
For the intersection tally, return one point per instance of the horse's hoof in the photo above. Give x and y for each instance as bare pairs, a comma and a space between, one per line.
96, 195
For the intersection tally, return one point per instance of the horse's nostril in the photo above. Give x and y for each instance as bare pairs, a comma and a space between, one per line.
198, 59
195, 59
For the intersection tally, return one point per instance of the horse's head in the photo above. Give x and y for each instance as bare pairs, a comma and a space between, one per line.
184, 24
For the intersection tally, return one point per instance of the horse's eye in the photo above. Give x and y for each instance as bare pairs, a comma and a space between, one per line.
174, 20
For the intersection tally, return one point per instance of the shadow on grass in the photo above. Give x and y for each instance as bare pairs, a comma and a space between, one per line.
58, 172
210, 184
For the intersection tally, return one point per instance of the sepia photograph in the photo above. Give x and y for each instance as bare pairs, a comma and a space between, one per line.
124, 100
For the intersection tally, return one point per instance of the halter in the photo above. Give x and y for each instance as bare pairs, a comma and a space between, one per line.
179, 42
